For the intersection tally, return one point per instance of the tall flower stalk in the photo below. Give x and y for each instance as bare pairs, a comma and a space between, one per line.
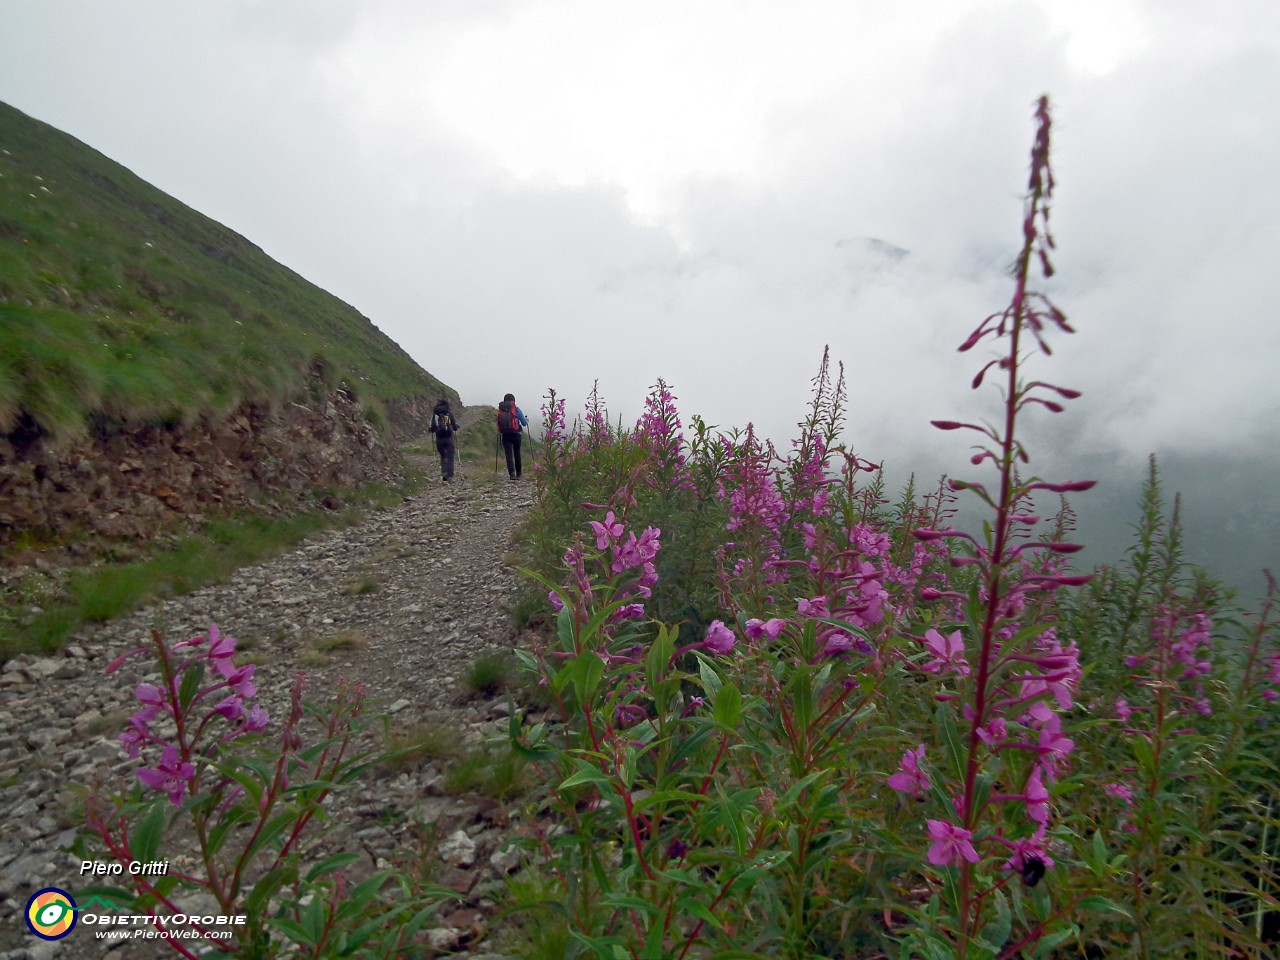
1004, 665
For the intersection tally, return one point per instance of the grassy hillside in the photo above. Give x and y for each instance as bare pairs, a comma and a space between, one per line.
117, 302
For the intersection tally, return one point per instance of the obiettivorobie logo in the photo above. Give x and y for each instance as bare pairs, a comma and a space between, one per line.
51, 913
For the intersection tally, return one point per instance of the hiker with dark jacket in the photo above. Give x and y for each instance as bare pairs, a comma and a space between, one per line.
444, 426
511, 420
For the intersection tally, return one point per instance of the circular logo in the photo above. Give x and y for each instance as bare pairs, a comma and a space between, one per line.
51, 913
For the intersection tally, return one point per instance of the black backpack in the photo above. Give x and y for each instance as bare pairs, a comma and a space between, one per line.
442, 424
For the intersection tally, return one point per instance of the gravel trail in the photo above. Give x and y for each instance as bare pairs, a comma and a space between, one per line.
404, 602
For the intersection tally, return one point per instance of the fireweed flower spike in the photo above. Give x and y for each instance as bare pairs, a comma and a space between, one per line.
1008, 672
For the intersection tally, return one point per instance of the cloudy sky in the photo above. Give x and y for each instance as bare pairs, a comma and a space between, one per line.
544, 192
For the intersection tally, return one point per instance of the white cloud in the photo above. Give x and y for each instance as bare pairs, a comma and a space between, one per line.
534, 193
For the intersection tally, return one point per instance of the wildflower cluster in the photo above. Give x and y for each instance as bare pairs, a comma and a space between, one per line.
248, 802
840, 726
184, 689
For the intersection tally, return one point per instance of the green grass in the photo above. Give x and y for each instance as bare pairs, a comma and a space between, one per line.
118, 302
362, 587
100, 593
426, 741
489, 675
343, 641
493, 772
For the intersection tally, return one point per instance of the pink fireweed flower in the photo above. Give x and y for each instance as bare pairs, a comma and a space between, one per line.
151, 697
135, 735
950, 844
231, 707
869, 541
239, 679
220, 647
630, 611
256, 720
172, 775
910, 779
554, 599
720, 639
817, 607
994, 733
1120, 791
838, 642
1037, 798
948, 653
607, 532
1054, 745
762, 629
1123, 710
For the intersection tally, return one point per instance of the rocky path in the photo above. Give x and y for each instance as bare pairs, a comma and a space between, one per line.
405, 602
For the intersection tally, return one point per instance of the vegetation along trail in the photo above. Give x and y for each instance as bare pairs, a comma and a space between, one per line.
405, 602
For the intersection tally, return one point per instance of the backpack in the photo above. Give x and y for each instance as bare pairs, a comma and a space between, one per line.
508, 422
443, 424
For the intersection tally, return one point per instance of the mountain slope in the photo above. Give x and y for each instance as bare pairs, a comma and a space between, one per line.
119, 304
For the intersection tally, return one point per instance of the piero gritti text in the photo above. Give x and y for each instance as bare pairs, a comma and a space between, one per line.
135, 868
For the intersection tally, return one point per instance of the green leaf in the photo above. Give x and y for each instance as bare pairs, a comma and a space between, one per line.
950, 736
667, 796
313, 918
699, 910
652, 949
997, 932
587, 774
1102, 904
275, 826
192, 678
145, 841
331, 863
293, 931
252, 786
586, 670
1142, 751
1051, 941
622, 902
564, 628
267, 887
711, 681
728, 706
1096, 855
369, 888
220, 832
659, 656
793, 792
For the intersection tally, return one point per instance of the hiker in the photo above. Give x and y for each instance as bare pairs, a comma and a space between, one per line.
444, 426
511, 420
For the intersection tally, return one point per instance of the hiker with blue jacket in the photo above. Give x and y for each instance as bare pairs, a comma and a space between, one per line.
444, 426
511, 420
